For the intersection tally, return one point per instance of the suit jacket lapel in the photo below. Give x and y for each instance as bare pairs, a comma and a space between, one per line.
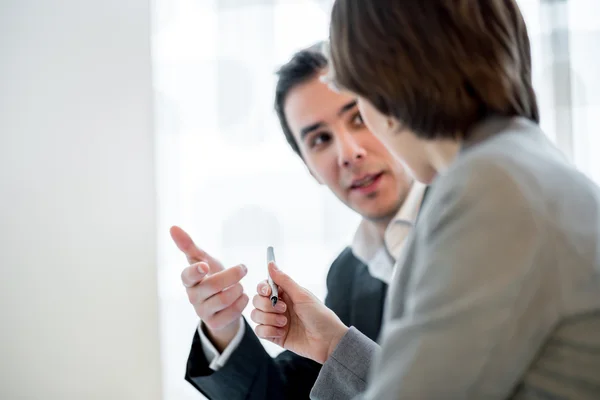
368, 298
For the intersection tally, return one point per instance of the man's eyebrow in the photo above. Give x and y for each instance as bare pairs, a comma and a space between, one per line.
318, 125
310, 128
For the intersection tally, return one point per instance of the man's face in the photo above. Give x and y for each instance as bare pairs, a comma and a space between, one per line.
342, 153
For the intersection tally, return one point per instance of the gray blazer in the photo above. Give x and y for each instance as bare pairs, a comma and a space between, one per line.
497, 294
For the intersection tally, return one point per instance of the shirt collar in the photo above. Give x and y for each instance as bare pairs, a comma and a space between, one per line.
367, 242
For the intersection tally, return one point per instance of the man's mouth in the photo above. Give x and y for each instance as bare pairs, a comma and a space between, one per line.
365, 181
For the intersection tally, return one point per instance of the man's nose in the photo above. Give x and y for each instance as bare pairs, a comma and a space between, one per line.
350, 150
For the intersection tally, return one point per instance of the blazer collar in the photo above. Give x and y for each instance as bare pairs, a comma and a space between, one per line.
494, 125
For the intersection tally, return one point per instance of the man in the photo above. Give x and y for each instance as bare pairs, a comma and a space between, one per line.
497, 294
326, 130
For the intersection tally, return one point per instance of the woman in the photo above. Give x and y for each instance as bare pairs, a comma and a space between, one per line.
497, 293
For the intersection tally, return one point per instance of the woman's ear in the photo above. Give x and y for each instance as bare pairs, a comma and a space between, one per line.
393, 124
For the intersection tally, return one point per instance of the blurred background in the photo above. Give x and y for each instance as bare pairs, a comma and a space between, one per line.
119, 119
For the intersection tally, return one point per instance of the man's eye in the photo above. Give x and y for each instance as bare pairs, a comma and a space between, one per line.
319, 139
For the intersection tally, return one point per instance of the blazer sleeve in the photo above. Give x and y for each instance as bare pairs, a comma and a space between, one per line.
478, 303
251, 373
344, 374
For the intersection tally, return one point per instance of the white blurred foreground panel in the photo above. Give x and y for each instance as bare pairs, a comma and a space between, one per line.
78, 298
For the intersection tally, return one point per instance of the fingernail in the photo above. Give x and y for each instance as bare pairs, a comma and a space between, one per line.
264, 291
280, 306
281, 321
244, 268
200, 268
275, 266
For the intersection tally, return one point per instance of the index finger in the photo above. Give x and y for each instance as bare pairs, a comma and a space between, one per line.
185, 243
264, 289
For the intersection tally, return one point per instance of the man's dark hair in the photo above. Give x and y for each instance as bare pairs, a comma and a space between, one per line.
303, 66
437, 66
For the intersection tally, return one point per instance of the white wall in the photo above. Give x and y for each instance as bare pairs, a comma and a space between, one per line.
78, 298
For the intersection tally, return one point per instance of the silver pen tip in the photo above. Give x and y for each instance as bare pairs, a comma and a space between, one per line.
270, 254
273, 300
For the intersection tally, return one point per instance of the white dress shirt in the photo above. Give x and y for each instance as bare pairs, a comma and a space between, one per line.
379, 254
217, 360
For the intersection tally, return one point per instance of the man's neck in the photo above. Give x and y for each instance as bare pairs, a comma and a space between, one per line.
373, 233
382, 224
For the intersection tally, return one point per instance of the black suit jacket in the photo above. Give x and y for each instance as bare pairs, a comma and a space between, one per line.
252, 374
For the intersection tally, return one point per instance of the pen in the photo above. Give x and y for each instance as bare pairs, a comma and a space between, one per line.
273, 285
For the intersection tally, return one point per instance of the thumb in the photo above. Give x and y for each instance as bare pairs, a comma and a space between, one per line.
194, 274
296, 292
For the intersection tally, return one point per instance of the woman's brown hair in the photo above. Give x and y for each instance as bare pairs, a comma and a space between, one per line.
438, 66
